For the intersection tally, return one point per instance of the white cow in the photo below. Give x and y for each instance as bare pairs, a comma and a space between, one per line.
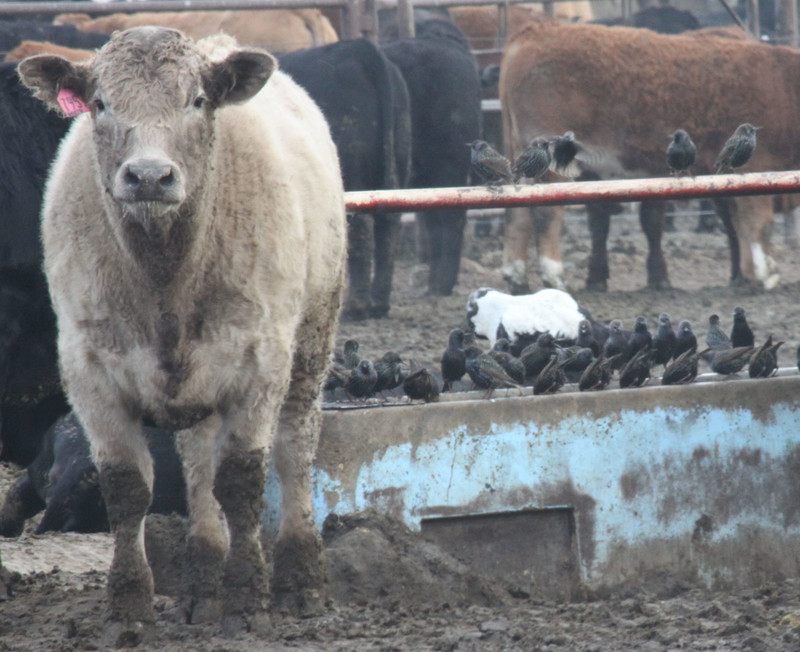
194, 236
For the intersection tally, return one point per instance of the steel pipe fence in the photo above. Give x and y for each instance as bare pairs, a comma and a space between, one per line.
574, 192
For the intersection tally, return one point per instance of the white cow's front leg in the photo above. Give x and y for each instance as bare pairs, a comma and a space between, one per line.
126, 480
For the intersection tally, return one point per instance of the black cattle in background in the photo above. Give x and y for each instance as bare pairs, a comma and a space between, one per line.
661, 19
31, 398
364, 98
15, 31
442, 78
63, 481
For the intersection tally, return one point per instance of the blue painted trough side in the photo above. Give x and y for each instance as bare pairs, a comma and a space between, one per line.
698, 483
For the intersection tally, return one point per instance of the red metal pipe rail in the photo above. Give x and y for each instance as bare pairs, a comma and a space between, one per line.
574, 192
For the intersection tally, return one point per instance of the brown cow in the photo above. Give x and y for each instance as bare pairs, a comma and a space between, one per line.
195, 251
30, 48
623, 91
278, 30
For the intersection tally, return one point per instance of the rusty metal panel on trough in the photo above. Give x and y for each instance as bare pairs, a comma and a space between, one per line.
698, 484
535, 551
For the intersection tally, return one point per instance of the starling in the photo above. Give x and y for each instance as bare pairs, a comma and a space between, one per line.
535, 356
390, 371
615, 345
680, 153
764, 362
361, 381
533, 161
470, 348
636, 372
641, 339
716, 338
683, 369
511, 365
741, 333
685, 339
586, 338
489, 164
727, 362
737, 149
337, 376
664, 341
598, 374
421, 385
351, 357
580, 358
564, 149
453, 360
552, 377
487, 374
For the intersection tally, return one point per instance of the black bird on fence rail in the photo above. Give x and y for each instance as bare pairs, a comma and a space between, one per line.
681, 153
489, 164
737, 149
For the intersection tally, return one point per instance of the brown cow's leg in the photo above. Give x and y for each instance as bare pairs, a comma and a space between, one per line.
599, 216
651, 218
751, 217
549, 220
359, 267
386, 231
518, 228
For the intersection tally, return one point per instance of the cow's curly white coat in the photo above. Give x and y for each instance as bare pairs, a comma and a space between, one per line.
230, 345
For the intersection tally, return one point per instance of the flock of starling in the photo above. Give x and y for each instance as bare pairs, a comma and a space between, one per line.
634, 358
559, 155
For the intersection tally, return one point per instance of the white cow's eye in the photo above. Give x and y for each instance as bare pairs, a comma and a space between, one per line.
99, 106
199, 102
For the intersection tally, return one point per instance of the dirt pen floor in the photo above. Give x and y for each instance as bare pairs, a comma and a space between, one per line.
390, 590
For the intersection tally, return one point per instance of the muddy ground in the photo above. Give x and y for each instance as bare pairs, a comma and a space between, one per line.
388, 589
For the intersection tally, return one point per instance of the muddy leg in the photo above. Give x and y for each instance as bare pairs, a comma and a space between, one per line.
298, 574
599, 216
386, 231
518, 228
651, 218
239, 488
130, 583
207, 542
359, 266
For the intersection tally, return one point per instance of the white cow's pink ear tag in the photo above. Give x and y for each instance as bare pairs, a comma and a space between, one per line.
70, 103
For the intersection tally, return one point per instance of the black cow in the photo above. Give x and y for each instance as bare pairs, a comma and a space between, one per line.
442, 78
661, 19
13, 32
365, 101
63, 481
31, 398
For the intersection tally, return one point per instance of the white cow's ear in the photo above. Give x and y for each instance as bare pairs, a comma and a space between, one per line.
47, 75
240, 76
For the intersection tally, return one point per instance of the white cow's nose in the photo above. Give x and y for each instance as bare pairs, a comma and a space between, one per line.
149, 179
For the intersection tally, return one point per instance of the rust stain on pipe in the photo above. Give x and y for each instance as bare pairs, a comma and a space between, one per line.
573, 192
